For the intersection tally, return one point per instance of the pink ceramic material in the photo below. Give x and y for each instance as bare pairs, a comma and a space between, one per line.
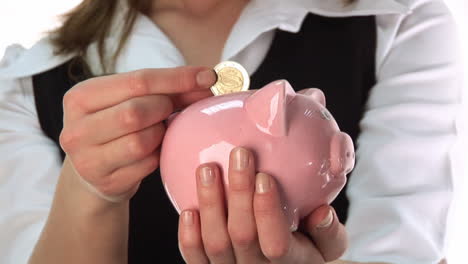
293, 138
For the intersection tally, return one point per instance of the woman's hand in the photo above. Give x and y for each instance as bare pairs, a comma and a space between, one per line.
253, 227
112, 130
113, 124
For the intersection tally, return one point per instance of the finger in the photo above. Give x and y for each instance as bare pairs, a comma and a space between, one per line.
133, 147
241, 221
102, 160
327, 232
190, 242
119, 185
102, 92
183, 100
211, 201
125, 118
277, 242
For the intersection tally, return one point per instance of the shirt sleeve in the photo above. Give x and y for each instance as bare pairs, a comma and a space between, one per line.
402, 186
29, 168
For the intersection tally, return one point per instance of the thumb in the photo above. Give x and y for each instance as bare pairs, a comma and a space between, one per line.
325, 229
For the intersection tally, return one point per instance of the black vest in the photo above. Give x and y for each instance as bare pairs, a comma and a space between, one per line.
336, 55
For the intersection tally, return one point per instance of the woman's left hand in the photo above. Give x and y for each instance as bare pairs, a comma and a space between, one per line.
254, 229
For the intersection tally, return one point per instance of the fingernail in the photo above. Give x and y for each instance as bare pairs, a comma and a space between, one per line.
241, 159
206, 78
327, 221
206, 176
262, 184
187, 217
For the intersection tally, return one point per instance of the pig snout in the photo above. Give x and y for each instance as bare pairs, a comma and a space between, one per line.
342, 154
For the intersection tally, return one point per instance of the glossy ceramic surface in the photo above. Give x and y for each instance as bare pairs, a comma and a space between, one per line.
293, 137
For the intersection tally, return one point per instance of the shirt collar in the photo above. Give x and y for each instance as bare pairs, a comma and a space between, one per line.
288, 15
337, 8
258, 17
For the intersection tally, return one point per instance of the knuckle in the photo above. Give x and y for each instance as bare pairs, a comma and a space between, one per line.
186, 79
264, 209
71, 100
240, 187
277, 250
241, 237
166, 105
266, 206
68, 139
207, 200
131, 116
137, 148
189, 243
150, 164
218, 247
137, 84
153, 163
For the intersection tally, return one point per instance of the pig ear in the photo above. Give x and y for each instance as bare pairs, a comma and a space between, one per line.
267, 107
316, 94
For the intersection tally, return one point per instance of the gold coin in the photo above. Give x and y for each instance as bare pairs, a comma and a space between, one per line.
232, 78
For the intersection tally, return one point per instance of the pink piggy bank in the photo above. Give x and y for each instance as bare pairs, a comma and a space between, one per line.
293, 137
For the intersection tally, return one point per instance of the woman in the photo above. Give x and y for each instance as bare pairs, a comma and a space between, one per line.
389, 70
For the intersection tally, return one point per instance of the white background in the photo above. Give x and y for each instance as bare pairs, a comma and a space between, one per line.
25, 21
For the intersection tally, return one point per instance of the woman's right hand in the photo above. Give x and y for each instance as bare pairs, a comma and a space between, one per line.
113, 124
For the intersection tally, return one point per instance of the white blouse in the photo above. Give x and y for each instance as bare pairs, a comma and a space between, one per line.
402, 187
